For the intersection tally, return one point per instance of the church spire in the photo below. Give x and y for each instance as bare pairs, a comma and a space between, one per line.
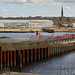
62, 12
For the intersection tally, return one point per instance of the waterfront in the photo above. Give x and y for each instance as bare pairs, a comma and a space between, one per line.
63, 65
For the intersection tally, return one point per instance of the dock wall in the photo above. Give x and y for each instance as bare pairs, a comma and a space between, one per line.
20, 58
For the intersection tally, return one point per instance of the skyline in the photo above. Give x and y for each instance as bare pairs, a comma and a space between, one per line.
46, 8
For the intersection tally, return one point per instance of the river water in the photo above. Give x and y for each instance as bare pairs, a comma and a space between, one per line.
21, 37
63, 65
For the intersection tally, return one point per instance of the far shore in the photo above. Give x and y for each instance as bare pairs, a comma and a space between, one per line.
31, 30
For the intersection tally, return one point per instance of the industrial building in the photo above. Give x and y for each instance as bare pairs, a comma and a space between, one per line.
13, 23
40, 23
73, 24
25, 23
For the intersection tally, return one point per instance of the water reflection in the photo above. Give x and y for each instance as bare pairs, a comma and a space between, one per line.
64, 65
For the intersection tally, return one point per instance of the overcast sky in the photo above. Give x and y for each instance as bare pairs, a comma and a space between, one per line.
24, 8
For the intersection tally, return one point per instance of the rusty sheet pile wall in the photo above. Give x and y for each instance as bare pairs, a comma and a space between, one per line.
20, 58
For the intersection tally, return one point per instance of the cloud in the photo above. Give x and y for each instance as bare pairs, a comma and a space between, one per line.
41, 2
70, 15
14, 1
54, 4
67, 7
66, 1
4, 10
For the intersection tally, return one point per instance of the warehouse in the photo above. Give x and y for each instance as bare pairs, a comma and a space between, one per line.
13, 23
40, 23
25, 23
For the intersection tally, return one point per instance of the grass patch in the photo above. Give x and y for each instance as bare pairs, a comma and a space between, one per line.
3, 37
29, 45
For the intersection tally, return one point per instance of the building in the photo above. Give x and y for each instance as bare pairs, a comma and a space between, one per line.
21, 26
13, 23
25, 23
40, 23
73, 24
1, 25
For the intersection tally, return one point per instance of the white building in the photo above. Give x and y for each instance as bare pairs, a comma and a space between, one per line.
73, 24
13, 23
1, 25
27, 23
40, 23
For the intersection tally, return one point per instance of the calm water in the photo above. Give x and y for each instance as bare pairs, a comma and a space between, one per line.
26, 36
64, 65
22, 35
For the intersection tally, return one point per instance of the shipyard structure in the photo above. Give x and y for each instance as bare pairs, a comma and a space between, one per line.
25, 23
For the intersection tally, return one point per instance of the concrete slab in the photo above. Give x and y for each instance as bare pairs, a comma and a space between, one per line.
18, 73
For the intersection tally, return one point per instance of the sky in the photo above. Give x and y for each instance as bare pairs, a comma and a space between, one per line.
45, 8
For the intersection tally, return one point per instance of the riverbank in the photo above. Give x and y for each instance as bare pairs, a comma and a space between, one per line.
62, 29
30, 45
24, 45
56, 29
2, 37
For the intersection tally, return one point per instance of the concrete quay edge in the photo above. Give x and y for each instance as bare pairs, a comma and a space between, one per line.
18, 73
